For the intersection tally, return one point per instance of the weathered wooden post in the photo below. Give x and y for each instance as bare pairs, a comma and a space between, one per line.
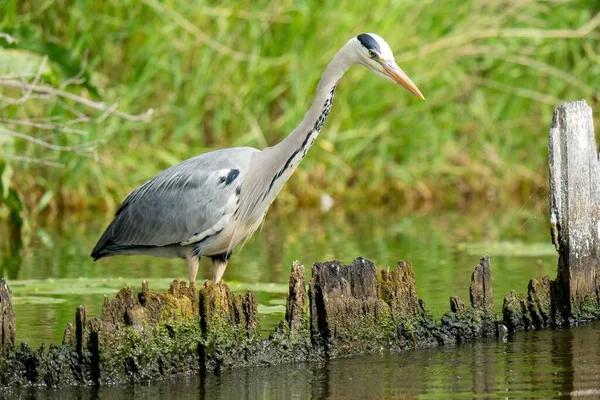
7, 316
575, 207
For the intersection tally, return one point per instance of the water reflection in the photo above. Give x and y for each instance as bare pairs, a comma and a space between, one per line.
538, 364
58, 255
532, 364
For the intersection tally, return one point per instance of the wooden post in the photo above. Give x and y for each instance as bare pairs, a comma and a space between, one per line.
480, 290
7, 316
297, 301
575, 207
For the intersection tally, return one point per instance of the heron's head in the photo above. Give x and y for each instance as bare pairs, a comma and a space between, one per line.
375, 54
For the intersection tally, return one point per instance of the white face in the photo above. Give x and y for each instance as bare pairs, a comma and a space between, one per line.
375, 54
373, 49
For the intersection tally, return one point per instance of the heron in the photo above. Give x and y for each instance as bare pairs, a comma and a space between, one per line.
206, 205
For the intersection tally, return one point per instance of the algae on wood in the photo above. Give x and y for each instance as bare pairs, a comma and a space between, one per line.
347, 314
297, 300
515, 311
539, 301
229, 325
542, 307
398, 289
179, 302
353, 309
143, 336
291, 339
456, 304
140, 337
478, 320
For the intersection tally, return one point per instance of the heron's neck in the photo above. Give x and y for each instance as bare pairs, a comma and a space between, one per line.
302, 138
284, 157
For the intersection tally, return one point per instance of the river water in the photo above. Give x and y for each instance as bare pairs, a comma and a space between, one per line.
562, 363
54, 274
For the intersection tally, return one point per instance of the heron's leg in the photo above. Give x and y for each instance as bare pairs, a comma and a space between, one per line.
192, 261
218, 270
219, 265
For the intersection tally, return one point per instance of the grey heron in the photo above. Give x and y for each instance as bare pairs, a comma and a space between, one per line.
207, 204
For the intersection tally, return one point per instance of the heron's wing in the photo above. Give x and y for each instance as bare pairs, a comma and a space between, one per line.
180, 202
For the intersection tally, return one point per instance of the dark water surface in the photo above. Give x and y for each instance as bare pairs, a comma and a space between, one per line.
54, 275
563, 363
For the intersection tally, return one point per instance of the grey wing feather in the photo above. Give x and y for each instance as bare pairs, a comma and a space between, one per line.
181, 201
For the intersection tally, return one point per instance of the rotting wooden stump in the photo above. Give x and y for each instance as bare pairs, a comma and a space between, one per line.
541, 308
354, 311
137, 338
397, 288
346, 311
351, 309
291, 339
479, 320
229, 325
296, 307
480, 290
143, 336
179, 302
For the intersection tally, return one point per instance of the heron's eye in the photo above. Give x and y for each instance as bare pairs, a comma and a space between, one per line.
372, 54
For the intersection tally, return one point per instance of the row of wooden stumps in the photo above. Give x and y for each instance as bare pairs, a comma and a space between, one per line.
348, 309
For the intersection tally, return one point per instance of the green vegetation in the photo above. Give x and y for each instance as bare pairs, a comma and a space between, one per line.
244, 74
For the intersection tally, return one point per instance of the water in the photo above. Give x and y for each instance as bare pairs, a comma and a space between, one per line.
55, 274
563, 363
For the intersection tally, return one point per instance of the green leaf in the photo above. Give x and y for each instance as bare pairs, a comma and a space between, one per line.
262, 309
43, 203
68, 64
16, 63
37, 300
5, 179
509, 249
112, 285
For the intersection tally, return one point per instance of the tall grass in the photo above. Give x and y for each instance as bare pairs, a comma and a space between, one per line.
244, 74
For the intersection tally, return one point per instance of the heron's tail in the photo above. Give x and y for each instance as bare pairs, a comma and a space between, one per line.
110, 248
104, 248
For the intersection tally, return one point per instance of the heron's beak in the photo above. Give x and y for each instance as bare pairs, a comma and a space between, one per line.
397, 75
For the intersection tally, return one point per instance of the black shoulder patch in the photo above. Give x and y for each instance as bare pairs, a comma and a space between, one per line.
231, 176
369, 42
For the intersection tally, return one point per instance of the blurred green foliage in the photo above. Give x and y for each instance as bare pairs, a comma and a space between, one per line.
243, 73
12, 212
